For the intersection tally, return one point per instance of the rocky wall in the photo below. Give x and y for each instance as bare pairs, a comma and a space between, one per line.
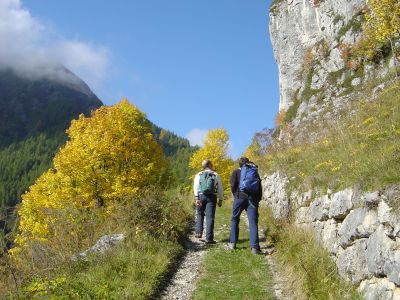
359, 229
312, 42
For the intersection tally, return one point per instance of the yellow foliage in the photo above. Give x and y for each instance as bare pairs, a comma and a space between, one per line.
108, 157
382, 24
215, 148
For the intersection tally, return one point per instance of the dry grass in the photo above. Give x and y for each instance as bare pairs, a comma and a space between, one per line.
154, 219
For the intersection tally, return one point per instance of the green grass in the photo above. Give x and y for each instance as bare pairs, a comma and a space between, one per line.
233, 275
361, 148
313, 273
131, 271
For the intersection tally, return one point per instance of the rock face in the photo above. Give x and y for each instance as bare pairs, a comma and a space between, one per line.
311, 41
359, 230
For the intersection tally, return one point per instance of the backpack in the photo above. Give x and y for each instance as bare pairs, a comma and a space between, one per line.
249, 180
207, 183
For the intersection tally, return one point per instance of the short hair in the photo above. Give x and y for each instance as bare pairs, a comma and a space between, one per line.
243, 160
206, 164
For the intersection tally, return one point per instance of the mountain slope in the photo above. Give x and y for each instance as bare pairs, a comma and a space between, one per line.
34, 114
31, 106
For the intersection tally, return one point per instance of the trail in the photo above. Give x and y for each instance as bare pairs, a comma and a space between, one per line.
183, 282
187, 274
268, 250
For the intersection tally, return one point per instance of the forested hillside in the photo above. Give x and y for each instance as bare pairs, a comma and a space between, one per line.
178, 152
33, 118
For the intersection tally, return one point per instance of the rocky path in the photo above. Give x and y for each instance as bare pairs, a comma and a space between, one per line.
183, 282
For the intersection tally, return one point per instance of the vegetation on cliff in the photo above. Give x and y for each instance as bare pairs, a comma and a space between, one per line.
360, 148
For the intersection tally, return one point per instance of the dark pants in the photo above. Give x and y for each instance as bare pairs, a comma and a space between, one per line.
251, 208
207, 208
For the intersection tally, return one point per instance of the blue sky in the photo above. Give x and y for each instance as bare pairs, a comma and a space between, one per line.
189, 65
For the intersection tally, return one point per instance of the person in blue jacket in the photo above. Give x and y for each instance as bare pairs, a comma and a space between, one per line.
248, 202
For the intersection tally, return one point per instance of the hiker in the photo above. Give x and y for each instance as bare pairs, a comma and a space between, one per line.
207, 187
247, 192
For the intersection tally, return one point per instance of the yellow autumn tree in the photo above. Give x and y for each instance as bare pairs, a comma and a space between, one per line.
382, 25
216, 146
109, 156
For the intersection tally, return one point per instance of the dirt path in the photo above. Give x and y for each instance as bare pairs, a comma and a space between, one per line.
183, 282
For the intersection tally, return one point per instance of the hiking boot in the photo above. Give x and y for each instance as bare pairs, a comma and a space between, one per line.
212, 242
231, 246
256, 251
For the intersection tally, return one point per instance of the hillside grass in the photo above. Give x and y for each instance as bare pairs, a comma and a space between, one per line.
361, 147
134, 270
235, 274
310, 272
153, 225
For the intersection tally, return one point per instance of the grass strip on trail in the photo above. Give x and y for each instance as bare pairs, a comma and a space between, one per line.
233, 275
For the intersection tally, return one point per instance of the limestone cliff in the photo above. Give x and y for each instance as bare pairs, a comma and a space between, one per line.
311, 40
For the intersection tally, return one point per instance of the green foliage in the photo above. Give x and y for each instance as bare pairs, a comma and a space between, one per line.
305, 96
337, 19
22, 162
306, 263
355, 25
292, 111
178, 152
233, 275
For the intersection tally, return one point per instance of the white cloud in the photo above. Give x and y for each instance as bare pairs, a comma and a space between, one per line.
32, 49
197, 136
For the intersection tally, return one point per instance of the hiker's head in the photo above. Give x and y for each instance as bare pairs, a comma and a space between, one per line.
243, 160
206, 164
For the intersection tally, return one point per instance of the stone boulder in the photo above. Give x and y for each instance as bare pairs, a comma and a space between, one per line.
103, 244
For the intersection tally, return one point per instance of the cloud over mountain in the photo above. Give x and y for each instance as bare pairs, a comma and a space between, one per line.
33, 50
197, 136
